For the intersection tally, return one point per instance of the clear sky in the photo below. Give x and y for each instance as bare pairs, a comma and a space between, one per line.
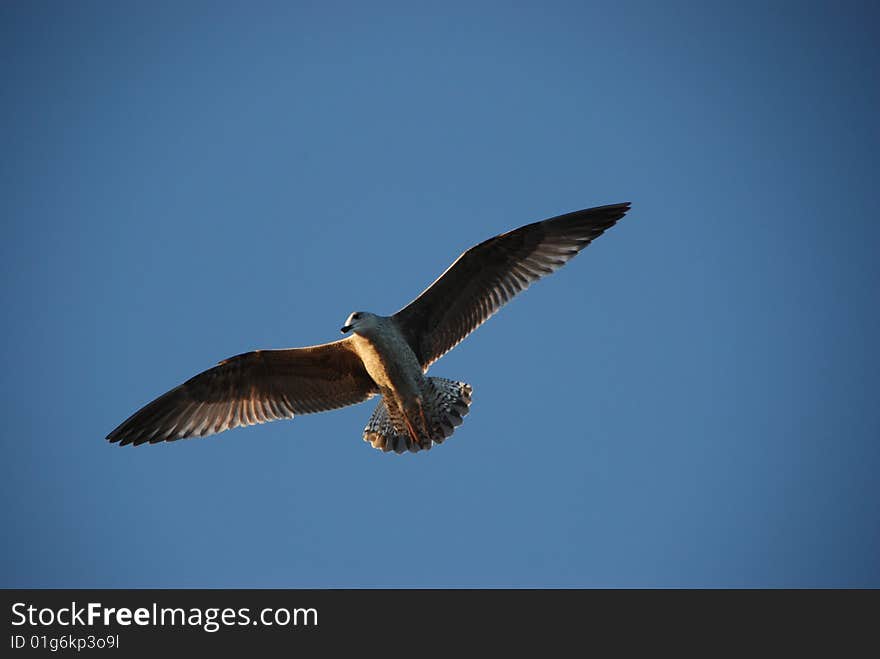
693, 401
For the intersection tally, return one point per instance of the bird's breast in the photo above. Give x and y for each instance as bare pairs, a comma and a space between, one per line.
391, 363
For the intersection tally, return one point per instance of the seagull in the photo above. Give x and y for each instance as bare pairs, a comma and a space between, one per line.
386, 356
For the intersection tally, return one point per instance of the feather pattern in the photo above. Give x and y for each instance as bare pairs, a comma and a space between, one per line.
252, 388
490, 274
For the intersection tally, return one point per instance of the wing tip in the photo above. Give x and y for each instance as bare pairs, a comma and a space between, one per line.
119, 439
136, 440
609, 213
618, 210
123, 436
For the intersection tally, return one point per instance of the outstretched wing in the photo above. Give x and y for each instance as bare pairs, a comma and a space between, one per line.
488, 275
255, 387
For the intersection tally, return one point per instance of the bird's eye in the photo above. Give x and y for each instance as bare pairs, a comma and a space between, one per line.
356, 316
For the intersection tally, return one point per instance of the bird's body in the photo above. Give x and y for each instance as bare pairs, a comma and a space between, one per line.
384, 355
409, 408
389, 359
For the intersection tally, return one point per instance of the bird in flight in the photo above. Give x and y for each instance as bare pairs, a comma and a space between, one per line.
382, 355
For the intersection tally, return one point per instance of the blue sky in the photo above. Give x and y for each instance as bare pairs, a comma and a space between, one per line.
691, 402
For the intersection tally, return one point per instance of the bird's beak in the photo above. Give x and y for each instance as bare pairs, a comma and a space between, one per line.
345, 328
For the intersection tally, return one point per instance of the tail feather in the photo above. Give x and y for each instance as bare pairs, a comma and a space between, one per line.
433, 419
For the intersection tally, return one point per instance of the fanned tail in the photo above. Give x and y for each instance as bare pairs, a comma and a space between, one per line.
430, 420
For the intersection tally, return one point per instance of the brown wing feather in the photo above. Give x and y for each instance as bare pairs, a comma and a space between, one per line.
254, 387
488, 275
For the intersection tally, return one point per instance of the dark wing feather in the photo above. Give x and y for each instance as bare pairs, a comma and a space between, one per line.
252, 388
488, 275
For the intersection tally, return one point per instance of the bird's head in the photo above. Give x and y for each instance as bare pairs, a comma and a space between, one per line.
359, 322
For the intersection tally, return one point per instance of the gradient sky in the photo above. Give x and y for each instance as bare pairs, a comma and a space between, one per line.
693, 401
